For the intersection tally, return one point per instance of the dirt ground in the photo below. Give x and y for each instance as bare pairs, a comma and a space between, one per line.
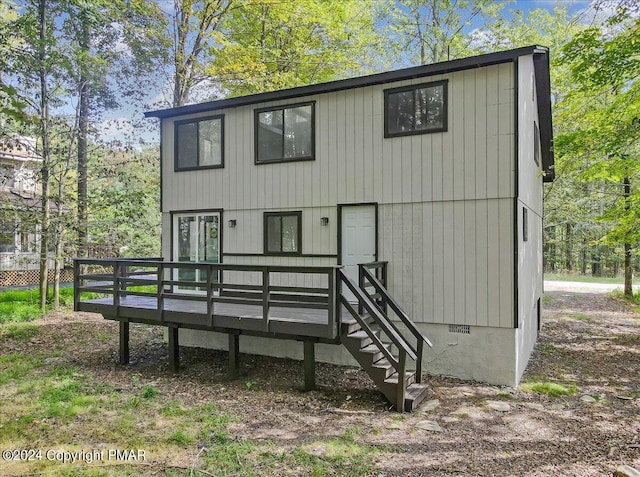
588, 340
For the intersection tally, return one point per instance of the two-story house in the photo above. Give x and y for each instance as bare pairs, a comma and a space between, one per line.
436, 172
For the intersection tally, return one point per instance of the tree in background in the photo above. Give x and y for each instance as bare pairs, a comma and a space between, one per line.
74, 57
430, 31
269, 44
194, 31
123, 200
603, 123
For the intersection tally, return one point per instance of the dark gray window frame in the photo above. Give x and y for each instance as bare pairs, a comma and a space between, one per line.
298, 215
176, 124
256, 129
536, 144
414, 87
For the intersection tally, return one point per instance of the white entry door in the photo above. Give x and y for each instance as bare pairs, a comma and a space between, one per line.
358, 239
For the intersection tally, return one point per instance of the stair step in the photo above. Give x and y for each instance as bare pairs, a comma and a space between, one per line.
375, 352
393, 378
383, 367
362, 337
349, 324
416, 393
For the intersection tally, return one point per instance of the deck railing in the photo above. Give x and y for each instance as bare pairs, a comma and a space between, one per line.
376, 282
386, 326
120, 278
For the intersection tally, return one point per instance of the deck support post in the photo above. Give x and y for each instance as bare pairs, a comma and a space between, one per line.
309, 365
234, 355
124, 342
174, 349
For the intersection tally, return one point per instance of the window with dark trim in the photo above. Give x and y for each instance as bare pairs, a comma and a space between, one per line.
417, 109
284, 134
199, 143
525, 224
282, 233
536, 144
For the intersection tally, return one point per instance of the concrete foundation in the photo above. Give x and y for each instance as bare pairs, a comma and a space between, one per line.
483, 354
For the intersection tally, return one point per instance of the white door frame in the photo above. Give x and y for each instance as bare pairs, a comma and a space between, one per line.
341, 252
175, 216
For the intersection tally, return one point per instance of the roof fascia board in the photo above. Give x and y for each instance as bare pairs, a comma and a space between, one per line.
350, 83
545, 120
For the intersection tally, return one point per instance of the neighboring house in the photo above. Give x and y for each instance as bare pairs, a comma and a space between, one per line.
437, 170
20, 204
20, 199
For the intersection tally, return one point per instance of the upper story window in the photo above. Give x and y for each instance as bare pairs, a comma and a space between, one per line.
285, 133
416, 109
199, 143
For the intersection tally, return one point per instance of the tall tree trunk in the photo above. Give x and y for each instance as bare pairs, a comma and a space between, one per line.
46, 151
552, 249
56, 271
83, 123
568, 247
628, 270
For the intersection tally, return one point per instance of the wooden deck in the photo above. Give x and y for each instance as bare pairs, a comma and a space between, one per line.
283, 322
261, 301
249, 300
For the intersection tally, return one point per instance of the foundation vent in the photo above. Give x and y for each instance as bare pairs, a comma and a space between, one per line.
464, 329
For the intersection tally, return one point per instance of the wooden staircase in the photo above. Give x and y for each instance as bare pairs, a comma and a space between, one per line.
377, 343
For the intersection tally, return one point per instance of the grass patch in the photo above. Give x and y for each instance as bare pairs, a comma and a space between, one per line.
550, 389
13, 312
619, 295
149, 392
583, 317
547, 299
582, 278
24, 305
545, 348
18, 331
14, 367
505, 395
181, 438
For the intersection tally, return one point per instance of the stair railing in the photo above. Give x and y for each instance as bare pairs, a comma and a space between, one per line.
404, 348
387, 300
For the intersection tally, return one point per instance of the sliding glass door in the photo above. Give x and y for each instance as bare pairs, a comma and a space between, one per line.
196, 239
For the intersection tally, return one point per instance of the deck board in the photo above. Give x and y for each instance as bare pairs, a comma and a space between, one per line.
188, 313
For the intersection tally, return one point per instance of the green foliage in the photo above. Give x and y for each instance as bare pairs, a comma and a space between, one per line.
149, 392
273, 45
430, 31
602, 117
550, 389
124, 198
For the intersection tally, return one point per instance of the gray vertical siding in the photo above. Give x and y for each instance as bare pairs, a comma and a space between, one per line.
530, 193
446, 199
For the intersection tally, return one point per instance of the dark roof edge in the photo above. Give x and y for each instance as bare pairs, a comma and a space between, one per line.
543, 96
358, 82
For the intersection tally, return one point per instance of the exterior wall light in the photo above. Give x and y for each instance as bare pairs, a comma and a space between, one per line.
232, 223
324, 221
